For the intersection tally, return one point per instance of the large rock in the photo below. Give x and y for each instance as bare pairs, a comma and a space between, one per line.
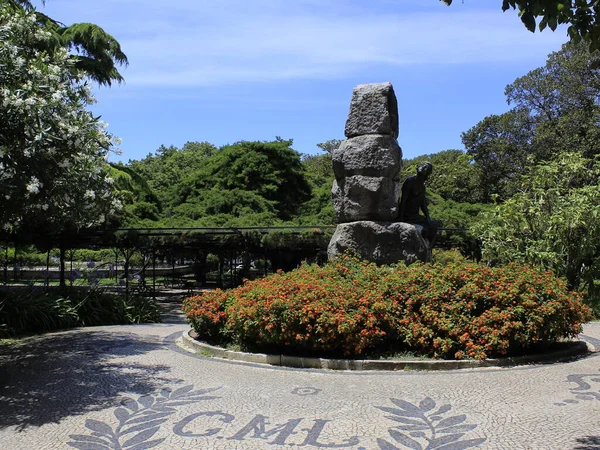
380, 242
360, 197
373, 110
373, 155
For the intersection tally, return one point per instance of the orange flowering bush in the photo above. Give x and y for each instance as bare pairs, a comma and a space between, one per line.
207, 315
353, 308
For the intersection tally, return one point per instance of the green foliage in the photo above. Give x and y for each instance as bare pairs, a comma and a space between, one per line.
96, 308
244, 184
25, 256
580, 15
561, 99
330, 146
451, 195
453, 176
318, 169
168, 166
103, 255
555, 110
293, 240
139, 200
271, 170
353, 308
35, 311
453, 214
93, 51
128, 181
444, 257
552, 221
318, 210
499, 146
232, 202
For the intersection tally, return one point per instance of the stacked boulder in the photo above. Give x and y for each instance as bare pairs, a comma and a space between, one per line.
367, 183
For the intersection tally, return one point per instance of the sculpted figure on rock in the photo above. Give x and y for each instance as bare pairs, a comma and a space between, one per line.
413, 201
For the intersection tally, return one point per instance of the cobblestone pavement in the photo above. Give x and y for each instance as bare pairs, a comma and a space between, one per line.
132, 387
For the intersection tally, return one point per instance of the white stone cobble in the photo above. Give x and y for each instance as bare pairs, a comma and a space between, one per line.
132, 387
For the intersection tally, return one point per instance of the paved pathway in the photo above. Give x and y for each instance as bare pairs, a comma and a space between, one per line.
132, 387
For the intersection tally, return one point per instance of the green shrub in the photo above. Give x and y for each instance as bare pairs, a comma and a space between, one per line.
96, 307
28, 256
104, 255
352, 308
445, 257
35, 311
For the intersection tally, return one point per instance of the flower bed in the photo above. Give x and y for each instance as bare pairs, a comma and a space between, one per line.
350, 308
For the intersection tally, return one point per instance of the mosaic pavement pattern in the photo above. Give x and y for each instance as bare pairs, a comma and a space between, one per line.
134, 388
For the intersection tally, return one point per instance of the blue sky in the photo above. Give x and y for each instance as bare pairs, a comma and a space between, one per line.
228, 70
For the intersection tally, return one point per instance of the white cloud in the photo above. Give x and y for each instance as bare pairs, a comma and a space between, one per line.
204, 43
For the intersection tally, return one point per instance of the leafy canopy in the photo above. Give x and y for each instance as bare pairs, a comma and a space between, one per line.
556, 110
552, 221
580, 15
93, 51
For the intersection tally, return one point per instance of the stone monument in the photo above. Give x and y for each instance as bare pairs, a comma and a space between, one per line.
367, 183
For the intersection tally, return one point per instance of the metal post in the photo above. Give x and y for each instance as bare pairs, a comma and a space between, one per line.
154, 273
6, 264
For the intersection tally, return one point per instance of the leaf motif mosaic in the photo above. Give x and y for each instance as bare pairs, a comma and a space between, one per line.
138, 420
587, 387
426, 426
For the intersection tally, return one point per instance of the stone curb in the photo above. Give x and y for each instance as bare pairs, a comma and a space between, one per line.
190, 344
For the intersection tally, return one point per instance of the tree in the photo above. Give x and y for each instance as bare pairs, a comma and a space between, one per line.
581, 15
453, 176
271, 170
330, 146
94, 51
562, 100
556, 110
139, 201
455, 219
552, 221
318, 210
318, 169
53, 171
499, 146
52, 150
168, 166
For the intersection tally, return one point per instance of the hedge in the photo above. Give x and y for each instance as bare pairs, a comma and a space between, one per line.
351, 308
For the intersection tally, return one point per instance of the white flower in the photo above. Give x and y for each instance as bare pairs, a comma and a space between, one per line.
34, 186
